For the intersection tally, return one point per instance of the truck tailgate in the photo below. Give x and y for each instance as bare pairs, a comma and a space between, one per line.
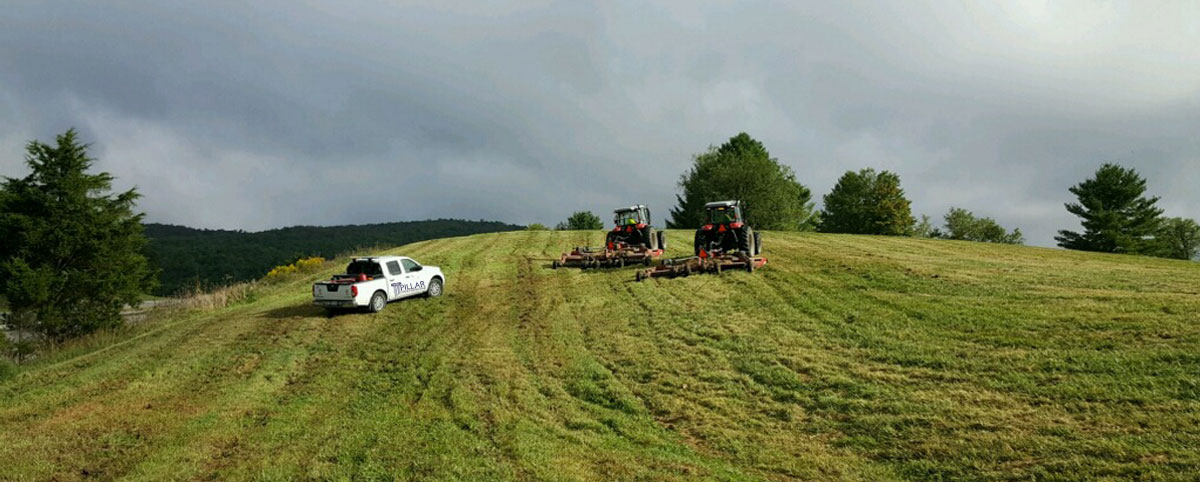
332, 291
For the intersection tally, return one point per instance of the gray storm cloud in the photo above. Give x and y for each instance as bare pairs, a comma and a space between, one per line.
255, 115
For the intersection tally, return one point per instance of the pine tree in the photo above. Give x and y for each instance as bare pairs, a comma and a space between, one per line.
73, 252
1115, 214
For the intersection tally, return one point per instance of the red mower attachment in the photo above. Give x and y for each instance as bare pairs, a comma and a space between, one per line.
704, 263
616, 255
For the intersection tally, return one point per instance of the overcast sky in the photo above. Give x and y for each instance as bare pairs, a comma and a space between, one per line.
256, 115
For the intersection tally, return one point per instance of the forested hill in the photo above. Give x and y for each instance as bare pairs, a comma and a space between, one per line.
187, 256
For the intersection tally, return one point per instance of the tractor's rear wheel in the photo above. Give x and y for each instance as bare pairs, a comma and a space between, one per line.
757, 244
745, 239
662, 240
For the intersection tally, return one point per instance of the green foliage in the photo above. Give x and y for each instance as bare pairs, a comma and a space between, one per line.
1116, 216
581, 221
962, 224
742, 170
302, 265
867, 202
7, 369
536, 227
190, 257
72, 255
1179, 238
924, 228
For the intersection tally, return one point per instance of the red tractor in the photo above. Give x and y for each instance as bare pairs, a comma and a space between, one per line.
724, 243
633, 229
632, 241
726, 231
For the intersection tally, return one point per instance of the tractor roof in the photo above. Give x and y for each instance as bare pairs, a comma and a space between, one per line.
721, 204
635, 207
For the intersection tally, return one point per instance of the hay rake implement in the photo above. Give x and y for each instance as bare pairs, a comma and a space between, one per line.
617, 256
705, 263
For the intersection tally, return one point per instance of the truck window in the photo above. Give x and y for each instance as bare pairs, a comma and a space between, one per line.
410, 265
369, 268
394, 268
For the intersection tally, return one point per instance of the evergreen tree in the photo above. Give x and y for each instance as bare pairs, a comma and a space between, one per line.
1115, 214
867, 202
72, 256
742, 170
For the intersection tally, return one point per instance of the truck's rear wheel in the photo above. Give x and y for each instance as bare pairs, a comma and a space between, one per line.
378, 302
435, 288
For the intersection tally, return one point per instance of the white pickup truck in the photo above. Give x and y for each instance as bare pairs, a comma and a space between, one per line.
373, 282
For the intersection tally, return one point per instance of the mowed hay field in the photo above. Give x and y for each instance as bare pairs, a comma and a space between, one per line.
846, 358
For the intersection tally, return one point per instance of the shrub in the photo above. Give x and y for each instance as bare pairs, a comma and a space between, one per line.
303, 265
7, 369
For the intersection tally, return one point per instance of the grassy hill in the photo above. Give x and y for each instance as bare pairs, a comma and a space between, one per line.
847, 357
208, 257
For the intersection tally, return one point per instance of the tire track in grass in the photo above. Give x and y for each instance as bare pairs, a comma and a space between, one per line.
674, 414
113, 427
329, 378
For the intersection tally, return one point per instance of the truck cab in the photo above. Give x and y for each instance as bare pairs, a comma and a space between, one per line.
372, 282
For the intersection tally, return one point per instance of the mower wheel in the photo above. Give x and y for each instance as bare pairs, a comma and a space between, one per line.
554, 265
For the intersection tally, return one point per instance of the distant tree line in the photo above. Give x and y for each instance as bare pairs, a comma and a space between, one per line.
1116, 215
188, 257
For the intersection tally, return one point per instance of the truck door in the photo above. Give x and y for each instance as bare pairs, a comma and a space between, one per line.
396, 281
415, 279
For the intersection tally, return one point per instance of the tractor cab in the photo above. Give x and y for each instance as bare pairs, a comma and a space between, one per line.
637, 216
633, 229
724, 212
